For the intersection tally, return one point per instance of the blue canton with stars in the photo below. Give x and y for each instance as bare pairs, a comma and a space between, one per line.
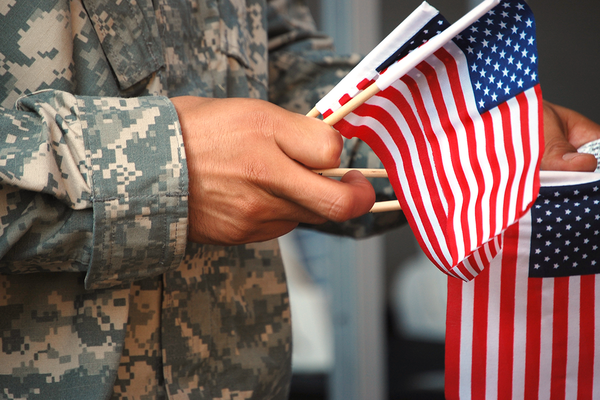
501, 53
565, 235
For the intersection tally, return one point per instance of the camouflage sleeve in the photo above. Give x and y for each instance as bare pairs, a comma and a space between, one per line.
303, 67
92, 184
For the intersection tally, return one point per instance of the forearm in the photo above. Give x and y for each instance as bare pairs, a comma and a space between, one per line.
92, 184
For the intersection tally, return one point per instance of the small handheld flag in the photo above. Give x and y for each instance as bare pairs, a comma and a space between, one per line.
460, 134
529, 326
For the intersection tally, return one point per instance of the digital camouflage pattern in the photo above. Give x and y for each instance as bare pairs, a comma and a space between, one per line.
100, 295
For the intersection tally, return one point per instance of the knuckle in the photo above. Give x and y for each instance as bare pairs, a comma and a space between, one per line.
263, 121
331, 146
253, 208
240, 231
257, 174
558, 147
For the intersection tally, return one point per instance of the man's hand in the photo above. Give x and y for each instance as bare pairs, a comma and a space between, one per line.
564, 131
249, 164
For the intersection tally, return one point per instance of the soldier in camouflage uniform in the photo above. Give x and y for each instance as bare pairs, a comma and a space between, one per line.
101, 294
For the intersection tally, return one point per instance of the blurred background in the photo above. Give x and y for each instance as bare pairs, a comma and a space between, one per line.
369, 315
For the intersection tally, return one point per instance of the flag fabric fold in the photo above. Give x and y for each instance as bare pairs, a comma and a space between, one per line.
528, 326
460, 135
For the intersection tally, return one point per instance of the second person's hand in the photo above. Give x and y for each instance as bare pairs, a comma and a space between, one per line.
565, 131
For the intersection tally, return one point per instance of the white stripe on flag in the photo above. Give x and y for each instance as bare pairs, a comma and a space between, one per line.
573, 337
546, 338
466, 340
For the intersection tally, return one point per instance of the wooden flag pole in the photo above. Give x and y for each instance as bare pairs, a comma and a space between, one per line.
314, 113
347, 108
339, 172
352, 105
384, 206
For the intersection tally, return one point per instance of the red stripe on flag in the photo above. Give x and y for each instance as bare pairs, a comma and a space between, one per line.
480, 336
533, 339
510, 155
365, 83
587, 338
345, 98
492, 157
560, 335
453, 334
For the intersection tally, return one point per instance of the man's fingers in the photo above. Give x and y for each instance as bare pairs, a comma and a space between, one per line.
361, 191
330, 199
566, 158
250, 177
311, 142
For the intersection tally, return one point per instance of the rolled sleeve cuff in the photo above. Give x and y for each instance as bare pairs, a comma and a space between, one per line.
139, 185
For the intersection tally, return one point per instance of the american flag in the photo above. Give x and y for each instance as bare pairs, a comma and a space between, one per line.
461, 138
528, 326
